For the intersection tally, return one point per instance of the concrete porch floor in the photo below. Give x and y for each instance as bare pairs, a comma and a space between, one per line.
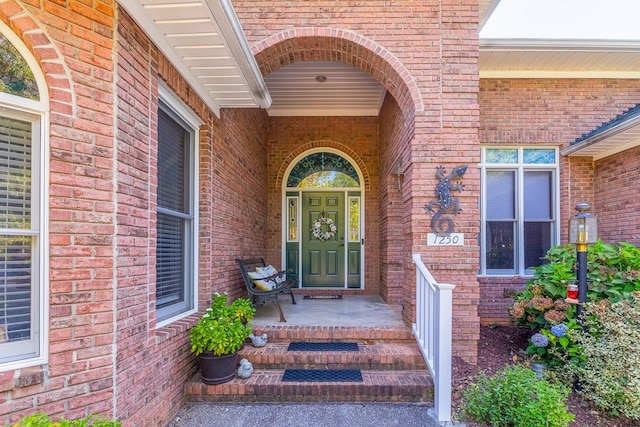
351, 310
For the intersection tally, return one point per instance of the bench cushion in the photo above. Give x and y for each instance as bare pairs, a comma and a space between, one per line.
259, 278
264, 284
269, 270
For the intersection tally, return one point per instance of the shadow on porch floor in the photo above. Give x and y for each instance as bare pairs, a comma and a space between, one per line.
351, 310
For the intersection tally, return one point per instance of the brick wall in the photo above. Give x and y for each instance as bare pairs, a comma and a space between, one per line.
395, 140
556, 112
105, 353
152, 364
615, 200
79, 75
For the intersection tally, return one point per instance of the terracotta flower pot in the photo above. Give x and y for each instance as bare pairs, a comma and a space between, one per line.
217, 369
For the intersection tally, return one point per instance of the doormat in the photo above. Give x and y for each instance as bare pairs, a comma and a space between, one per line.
322, 375
322, 297
323, 346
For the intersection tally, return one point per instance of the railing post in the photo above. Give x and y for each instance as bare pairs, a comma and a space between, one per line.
433, 332
443, 352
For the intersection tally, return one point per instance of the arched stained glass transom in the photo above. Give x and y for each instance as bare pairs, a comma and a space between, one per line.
323, 170
16, 78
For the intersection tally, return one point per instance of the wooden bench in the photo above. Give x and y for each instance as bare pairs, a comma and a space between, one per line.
259, 296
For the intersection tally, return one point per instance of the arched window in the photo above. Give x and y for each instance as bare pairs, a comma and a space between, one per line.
323, 170
22, 183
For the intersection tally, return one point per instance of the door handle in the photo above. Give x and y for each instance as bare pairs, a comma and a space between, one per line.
342, 241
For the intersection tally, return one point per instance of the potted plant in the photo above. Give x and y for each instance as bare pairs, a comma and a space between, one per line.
216, 338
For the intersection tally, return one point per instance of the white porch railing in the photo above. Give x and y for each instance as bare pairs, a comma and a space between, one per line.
433, 332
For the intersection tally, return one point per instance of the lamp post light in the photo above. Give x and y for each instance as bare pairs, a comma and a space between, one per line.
583, 230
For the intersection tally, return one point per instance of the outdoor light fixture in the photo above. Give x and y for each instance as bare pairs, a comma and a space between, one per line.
397, 171
583, 229
321, 79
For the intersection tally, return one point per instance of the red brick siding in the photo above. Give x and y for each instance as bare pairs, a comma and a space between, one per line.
74, 48
394, 153
556, 112
152, 365
616, 203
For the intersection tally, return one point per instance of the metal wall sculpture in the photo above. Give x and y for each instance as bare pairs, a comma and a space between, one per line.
446, 202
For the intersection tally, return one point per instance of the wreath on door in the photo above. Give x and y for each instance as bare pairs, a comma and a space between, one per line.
318, 232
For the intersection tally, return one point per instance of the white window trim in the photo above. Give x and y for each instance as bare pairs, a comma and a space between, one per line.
186, 114
520, 167
41, 181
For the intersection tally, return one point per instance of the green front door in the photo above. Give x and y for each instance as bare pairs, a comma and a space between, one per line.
323, 261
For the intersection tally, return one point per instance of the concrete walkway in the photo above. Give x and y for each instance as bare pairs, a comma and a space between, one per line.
200, 414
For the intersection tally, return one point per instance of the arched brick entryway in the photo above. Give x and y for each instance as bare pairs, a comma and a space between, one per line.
384, 230
331, 44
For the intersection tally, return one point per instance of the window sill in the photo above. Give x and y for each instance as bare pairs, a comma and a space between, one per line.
23, 377
166, 332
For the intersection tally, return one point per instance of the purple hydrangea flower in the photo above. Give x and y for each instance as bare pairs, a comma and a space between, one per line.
539, 340
559, 330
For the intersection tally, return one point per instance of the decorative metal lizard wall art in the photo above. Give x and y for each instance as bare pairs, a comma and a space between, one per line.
446, 202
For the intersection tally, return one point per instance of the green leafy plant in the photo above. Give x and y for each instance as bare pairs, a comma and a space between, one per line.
242, 309
514, 397
43, 420
220, 330
613, 272
609, 371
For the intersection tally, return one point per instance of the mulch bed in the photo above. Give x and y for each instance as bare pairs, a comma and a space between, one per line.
499, 346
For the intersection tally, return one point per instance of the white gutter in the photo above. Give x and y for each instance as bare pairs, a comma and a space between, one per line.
559, 45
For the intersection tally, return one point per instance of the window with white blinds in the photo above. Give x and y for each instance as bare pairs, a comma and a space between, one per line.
19, 237
519, 208
175, 263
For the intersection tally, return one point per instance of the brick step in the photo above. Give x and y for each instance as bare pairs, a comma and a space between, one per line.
383, 356
360, 334
265, 385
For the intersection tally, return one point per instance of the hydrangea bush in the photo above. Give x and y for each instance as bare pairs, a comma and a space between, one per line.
613, 272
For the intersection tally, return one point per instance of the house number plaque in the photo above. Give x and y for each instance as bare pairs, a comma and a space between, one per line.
444, 239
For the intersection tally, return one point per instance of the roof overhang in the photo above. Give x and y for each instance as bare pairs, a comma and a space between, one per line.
613, 140
204, 41
546, 58
486, 8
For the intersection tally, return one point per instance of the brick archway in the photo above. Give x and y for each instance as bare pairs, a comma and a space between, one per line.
20, 21
331, 44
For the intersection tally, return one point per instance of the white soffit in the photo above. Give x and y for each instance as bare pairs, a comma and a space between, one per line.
485, 9
345, 91
204, 41
540, 58
618, 138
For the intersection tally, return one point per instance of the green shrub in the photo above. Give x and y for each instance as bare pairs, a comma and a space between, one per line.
609, 371
43, 420
515, 398
613, 272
